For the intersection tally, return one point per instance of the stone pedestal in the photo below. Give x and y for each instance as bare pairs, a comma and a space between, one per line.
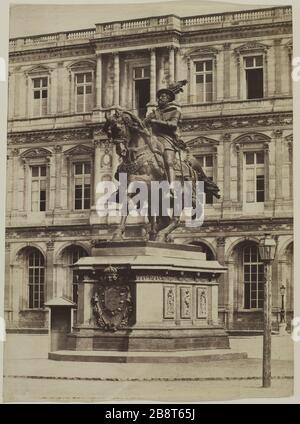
147, 296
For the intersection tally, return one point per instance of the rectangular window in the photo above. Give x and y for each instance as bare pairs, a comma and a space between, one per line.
254, 75
36, 277
40, 96
206, 162
141, 76
82, 188
84, 92
204, 81
253, 278
255, 177
38, 188
141, 72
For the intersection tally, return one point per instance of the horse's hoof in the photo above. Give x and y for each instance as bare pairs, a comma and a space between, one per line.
161, 239
117, 237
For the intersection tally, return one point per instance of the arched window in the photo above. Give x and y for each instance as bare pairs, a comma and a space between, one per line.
36, 279
253, 271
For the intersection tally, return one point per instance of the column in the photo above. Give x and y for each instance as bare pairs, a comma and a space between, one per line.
152, 76
161, 72
278, 67
60, 87
291, 182
177, 65
221, 280
12, 94
57, 203
99, 82
116, 79
97, 167
227, 165
226, 70
71, 92
25, 183
269, 72
27, 97
239, 159
268, 195
171, 64
7, 292
9, 183
49, 270
230, 279
278, 164
51, 171
191, 80
15, 177
53, 78
124, 101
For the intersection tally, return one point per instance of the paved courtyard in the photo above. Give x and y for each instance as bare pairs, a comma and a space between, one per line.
31, 377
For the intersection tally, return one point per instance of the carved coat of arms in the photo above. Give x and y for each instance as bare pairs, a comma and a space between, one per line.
112, 302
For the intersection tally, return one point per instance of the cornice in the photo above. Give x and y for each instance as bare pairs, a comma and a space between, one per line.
140, 38
223, 227
92, 132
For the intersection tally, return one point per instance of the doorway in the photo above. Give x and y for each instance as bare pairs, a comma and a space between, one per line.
142, 96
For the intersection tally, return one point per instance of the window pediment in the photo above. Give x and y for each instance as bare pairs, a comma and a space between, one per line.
38, 70
80, 150
251, 138
36, 153
202, 52
251, 47
252, 141
82, 65
202, 142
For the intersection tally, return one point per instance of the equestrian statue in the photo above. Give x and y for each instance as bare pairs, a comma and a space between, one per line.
151, 150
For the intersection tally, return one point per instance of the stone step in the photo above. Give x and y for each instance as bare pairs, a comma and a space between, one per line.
147, 357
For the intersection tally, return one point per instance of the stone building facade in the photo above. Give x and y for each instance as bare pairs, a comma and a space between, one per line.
237, 119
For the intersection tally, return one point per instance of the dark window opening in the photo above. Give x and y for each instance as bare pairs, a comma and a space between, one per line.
260, 188
254, 81
142, 96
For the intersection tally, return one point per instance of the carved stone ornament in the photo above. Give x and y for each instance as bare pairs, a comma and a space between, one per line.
201, 302
78, 150
169, 302
112, 307
110, 274
36, 153
251, 46
185, 302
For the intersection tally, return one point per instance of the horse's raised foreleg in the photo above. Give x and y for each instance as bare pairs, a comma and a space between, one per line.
162, 235
119, 232
153, 227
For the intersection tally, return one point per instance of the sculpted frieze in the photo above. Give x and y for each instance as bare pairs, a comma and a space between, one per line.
205, 124
58, 136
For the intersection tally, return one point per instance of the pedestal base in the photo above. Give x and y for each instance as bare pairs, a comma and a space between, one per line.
150, 339
147, 297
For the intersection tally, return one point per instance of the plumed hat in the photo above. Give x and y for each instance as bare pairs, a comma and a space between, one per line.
173, 89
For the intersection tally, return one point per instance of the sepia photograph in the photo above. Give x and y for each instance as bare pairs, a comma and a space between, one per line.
149, 240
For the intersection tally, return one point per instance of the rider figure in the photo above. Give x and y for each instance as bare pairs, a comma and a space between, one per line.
164, 122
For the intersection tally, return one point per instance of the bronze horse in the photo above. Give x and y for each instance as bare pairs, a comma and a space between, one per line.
142, 160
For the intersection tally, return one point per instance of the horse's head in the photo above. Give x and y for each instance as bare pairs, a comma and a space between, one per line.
116, 128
